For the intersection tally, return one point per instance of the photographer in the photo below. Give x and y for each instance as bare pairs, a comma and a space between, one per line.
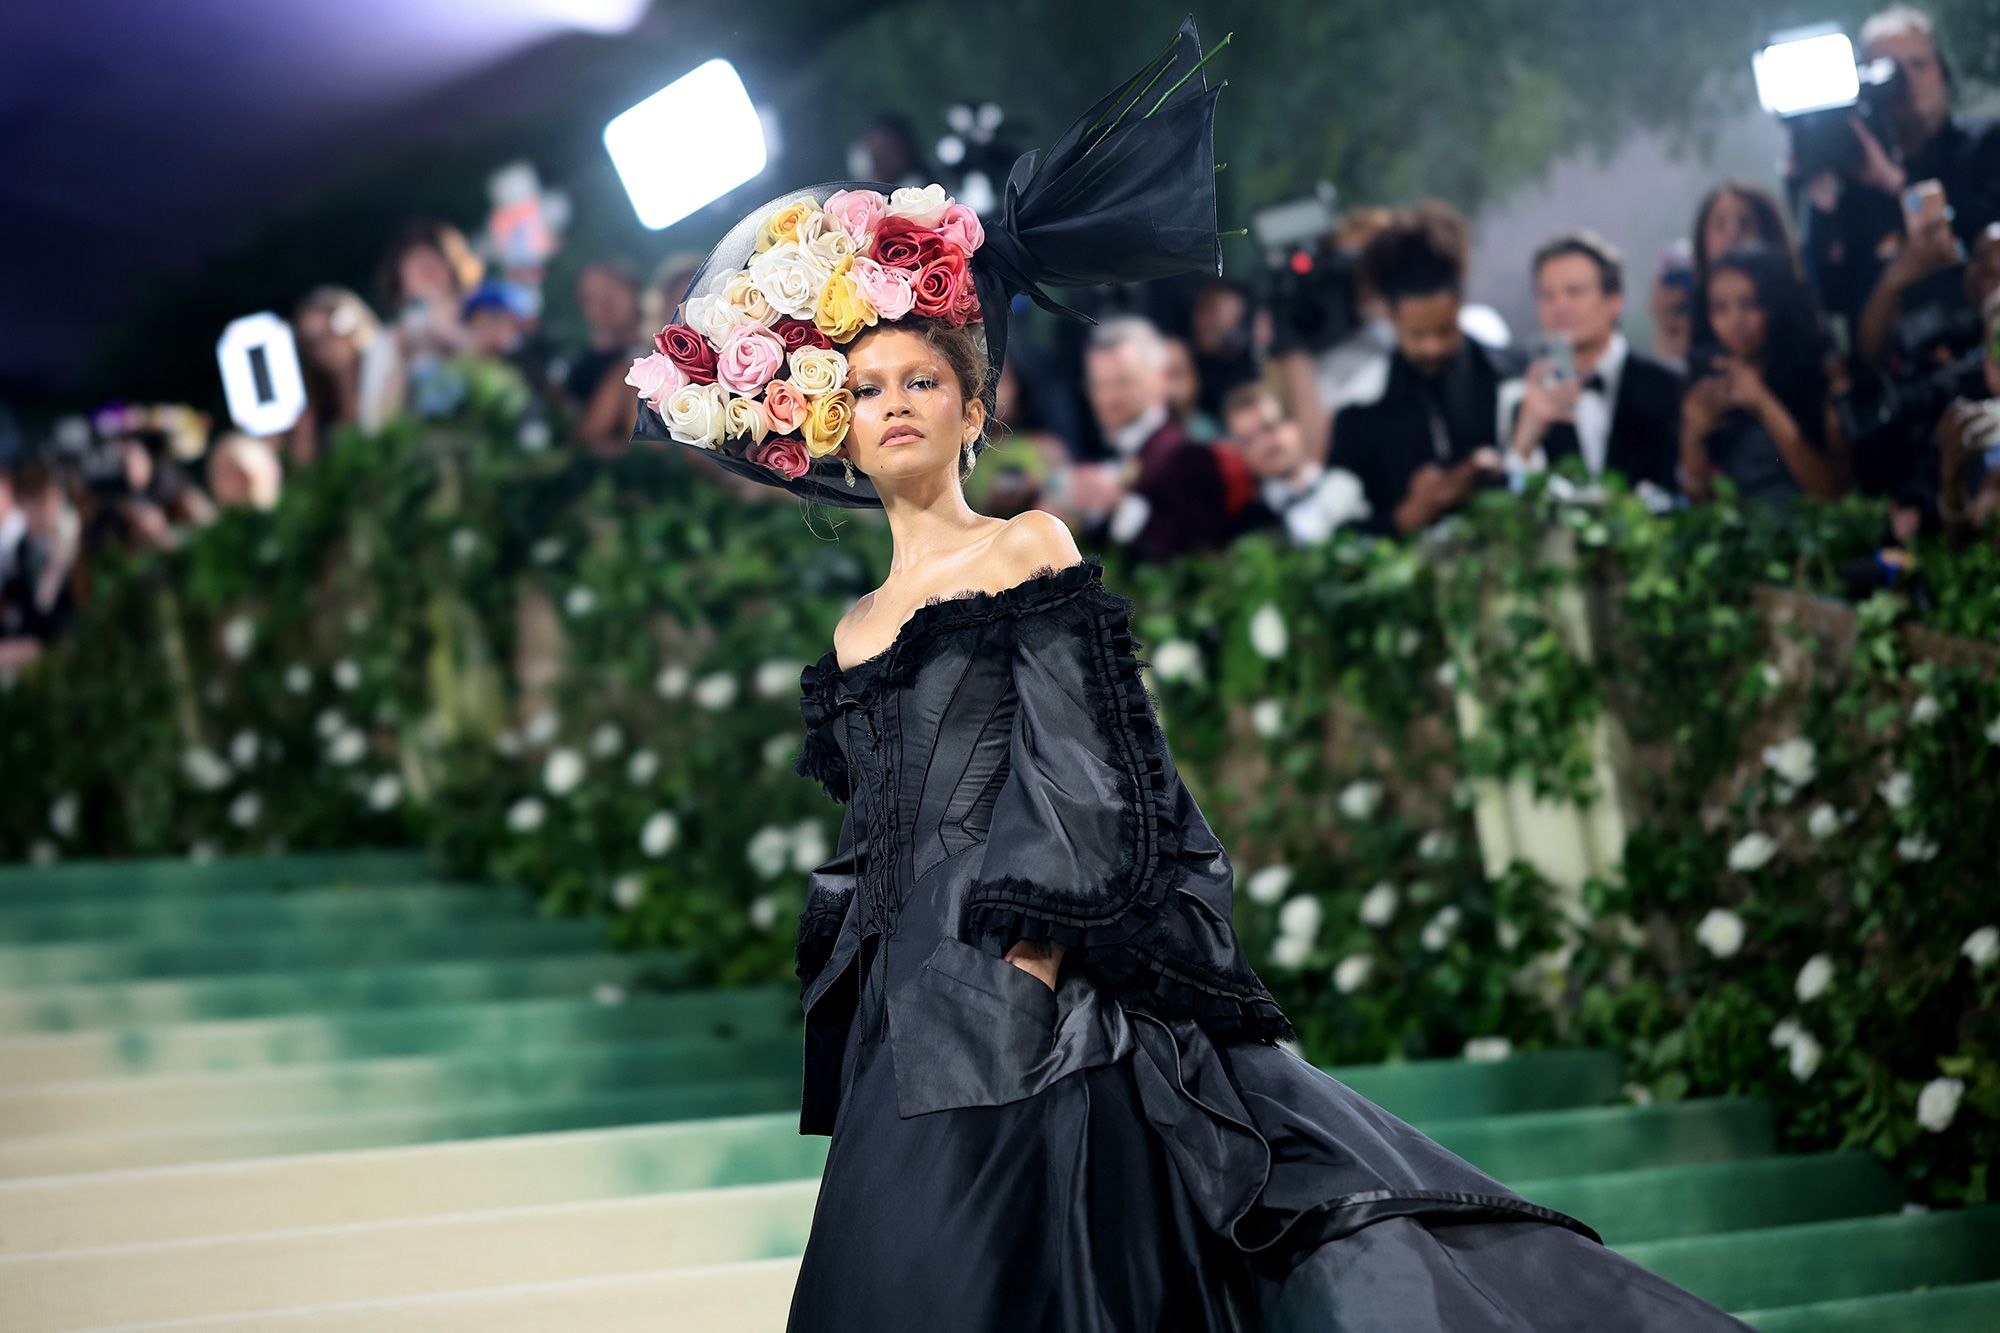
1857, 219
1427, 441
1969, 442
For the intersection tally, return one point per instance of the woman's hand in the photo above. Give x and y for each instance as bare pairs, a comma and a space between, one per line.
1741, 385
1043, 958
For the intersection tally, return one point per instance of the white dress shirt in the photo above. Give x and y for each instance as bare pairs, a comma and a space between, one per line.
1594, 410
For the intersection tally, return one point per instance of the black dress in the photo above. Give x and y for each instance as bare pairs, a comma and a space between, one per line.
1130, 1152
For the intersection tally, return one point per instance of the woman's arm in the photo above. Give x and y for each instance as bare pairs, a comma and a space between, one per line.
1816, 471
1698, 419
609, 419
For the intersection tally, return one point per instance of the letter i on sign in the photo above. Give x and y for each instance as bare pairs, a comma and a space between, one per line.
260, 374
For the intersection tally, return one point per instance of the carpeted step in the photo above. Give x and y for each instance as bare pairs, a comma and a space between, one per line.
1550, 1144
1449, 1089
1971, 1308
352, 907
178, 877
1660, 1202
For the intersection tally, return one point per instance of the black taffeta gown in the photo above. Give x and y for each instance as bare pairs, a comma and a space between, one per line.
1129, 1152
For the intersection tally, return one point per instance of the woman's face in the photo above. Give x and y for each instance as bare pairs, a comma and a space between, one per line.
1729, 223
332, 352
608, 306
1735, 314
910, 416
425, 275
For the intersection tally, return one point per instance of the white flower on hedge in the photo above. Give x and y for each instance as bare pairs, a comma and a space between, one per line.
562, 771
1937, 1103
1438, 930
1447, 675
715, 691
1925, 710
526, 815
1359, 799
1805, 1056
541, 728
1916, 847
243, 748
1993, 732
1378, 905
357, 620
657, 836
1267, 632
672, 682
1823, 822
1291, 951
1269, 884
1770, 675
1408, 641
298, 678
62, 815
1796, 761
777, 678
239, 635
1301, 916
769, 850
1177, 659
384, 792
1897, 789
345, 674
1814, 978
642, 767
205, 768
329, 723
809, 847
1785, 1032
246, 809
764, 911
507, 744
1752, 852
546, 551
1720, 932
1437, 845
628, 891
1481, 1049
1267, 719
579, 602
1982, 946
464, 541
534, 435
202, 852
1351, 973
606, 741
1506, 932
608, 993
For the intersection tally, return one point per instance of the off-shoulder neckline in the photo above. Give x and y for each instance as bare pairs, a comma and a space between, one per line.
950, 611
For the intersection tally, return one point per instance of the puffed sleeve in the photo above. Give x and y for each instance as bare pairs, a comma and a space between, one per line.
829, 889
1097, 844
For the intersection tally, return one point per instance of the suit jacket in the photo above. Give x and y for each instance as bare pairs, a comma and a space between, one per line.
1645, 441
1196, 499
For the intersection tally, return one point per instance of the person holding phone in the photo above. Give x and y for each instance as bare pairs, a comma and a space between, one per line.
1758, 409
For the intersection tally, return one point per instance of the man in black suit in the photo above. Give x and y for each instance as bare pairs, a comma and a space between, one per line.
1429, 440
1620, 409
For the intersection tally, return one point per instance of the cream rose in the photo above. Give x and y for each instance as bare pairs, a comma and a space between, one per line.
790, 279
745, 417
827, 242
740, 290
713, 317
695, 414
818, 370
924, 205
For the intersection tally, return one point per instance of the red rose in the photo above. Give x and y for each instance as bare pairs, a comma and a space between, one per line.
694, 354
901, 243
797, 333
941, 288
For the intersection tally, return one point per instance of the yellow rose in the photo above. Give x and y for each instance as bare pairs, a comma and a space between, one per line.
784, 224
843, 310
826, 422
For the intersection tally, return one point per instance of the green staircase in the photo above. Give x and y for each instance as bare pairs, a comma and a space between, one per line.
323, 1093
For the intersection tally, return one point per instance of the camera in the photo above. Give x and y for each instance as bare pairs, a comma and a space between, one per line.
1311, 279
1809, 79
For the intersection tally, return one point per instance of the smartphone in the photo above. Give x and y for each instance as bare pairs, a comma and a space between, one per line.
1924, 202
1701, 361
1560, 352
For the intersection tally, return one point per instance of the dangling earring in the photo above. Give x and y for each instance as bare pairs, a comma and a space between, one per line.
848, 463
971, 455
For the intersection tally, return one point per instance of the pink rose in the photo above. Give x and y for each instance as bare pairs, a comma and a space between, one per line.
785, 405
960, 226
887, 289
859, 213
655, 376
751, 354
783, 455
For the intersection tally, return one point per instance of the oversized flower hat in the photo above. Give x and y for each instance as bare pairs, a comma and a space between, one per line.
751, 374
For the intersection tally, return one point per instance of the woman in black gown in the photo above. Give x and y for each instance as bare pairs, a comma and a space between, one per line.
1051, 1078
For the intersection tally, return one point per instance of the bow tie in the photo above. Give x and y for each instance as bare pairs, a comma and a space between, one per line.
1594, 384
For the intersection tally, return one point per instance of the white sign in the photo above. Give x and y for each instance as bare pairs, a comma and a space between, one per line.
260, 374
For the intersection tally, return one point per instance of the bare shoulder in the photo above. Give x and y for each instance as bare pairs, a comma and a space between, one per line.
1032, 541
855, 614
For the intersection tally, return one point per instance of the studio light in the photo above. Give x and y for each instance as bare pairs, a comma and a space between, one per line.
687, 145
1808, 70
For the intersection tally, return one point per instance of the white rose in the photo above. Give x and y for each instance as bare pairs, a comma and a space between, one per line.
809, 849
672, 682
628, 891
656, 839
1378, 905
1267, 632
1796, 761
243, 749
1269, 884
526, 815
1937, 1104
763, 911
1177, 659
1897, 789
329, 723
1408, 641
790, 279
1352, 973
642, 767
541, 728
205, 769
713, 316
1447, 675
347, 747
1291, 951
769, 850
1437, 931
923, 205
1300, 916
745, 418
715, 691
534, 435
298, 679
238, 635
777, 678
1720, 932
1785, 1032
1437, 845
1814, 977
464, 542
245, 809
1824, 822
1359, 799
345, 674
1752, 852
562, 771
780, 749
1267, 719
1771, 676
1993, 732
696, 414
1482, 1049
579, 601
384, 792
826, 242
739, 288
818, 370
1925, 710
1917, 847
607, 740
1982, 946
546, 551
1805, 1056
62, 814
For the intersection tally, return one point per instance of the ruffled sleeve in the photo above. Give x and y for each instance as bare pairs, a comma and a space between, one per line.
1097, 844
820, 706
829, 890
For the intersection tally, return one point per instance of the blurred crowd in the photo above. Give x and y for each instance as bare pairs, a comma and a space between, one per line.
1843, 338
